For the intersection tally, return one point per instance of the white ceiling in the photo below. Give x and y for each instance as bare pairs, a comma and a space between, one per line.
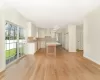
48, 13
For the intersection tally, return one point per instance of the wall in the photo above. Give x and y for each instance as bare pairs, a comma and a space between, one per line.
91, 36
2, 41
13, 16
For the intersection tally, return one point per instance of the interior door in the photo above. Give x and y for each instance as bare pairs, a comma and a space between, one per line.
80, 41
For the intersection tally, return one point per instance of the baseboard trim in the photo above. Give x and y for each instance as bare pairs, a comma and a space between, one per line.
14, 62
92, 60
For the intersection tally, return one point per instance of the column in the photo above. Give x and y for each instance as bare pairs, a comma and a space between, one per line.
2, 45
72, 38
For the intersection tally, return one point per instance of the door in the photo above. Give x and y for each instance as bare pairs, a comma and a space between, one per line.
80, 41
10, 42
21, 43
14, 42
66, 41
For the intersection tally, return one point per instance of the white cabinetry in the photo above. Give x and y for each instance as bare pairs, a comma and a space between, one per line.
41, 32
48, 32
44, 32
31, 48
31, 30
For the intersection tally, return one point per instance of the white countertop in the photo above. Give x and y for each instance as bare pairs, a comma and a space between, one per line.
52, 43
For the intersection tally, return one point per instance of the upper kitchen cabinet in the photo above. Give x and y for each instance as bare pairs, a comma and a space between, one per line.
31, 28
48, 32
41, 32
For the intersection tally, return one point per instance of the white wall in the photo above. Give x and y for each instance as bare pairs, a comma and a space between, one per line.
72, 38
2, 41
92, 36
13, 16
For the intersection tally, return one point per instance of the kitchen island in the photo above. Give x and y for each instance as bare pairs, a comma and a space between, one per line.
51, 48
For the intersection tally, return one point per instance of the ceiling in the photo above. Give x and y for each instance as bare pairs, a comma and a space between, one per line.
50, 13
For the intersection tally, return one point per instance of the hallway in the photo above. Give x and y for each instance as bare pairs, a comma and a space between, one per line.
66, 66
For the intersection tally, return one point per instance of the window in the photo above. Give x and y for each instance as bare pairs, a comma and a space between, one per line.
14, 42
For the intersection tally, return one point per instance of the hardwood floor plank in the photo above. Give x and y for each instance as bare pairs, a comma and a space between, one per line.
65, 66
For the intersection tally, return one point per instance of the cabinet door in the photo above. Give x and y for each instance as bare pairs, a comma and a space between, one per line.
31, 48
42, 44
48, 32
41, 33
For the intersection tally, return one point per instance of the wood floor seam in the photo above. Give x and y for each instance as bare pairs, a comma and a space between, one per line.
65, 66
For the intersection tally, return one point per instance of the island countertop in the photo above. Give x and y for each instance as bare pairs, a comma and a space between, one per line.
52, 43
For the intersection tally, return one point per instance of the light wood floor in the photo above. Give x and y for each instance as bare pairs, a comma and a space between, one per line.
66, 66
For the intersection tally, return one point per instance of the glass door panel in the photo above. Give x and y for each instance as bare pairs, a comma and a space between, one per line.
10, 42
14, 42
21, 42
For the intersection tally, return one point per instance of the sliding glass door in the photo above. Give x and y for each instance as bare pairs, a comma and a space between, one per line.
14, 42
21, 42
10, 43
